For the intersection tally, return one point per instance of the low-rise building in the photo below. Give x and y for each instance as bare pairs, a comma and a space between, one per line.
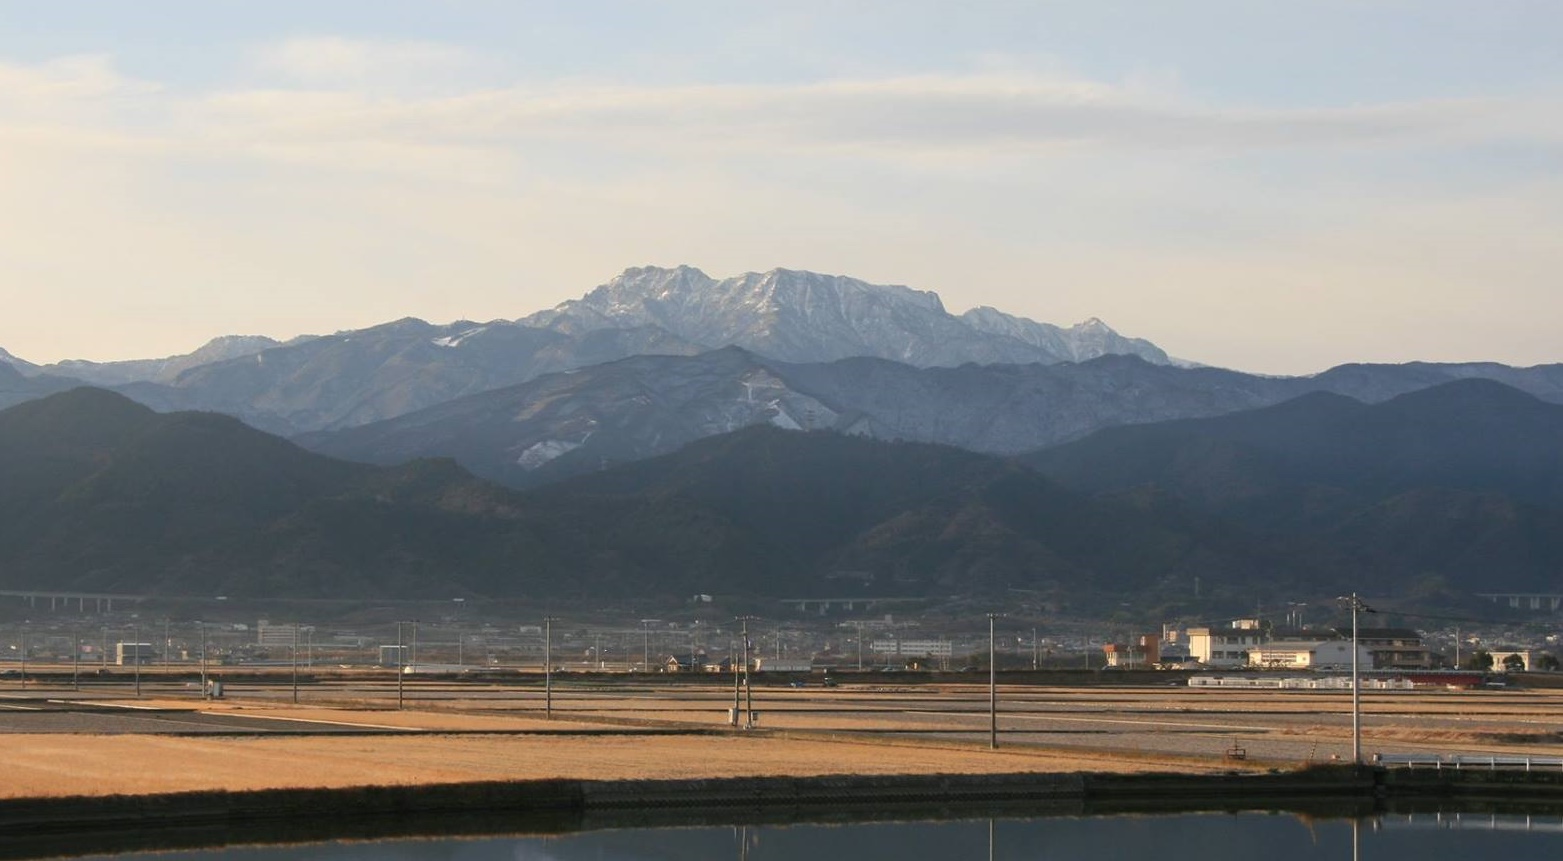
130, 654
1393, 648
1515, 660
783, 665
1308, 655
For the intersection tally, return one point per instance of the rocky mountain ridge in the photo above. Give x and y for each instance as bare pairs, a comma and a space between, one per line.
808, 317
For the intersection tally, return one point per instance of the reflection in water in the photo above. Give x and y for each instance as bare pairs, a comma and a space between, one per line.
1201, 837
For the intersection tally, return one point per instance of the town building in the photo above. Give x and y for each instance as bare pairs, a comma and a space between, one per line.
278, 636
1144, 652
1392, 648
130, 654
912, 648
1225, 646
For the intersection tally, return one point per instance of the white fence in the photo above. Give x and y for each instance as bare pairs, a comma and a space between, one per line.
1301, 683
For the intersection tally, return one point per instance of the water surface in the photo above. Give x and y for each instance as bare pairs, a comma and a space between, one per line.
1205, 837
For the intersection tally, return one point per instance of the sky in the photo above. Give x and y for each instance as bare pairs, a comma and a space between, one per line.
1272, 186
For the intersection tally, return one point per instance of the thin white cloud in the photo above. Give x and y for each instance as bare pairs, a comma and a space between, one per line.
333, 61
359, 98
874, 119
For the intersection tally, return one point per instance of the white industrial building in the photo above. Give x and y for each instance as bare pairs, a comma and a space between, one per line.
1308, 655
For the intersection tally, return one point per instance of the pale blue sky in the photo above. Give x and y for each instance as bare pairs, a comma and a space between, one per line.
1273, 186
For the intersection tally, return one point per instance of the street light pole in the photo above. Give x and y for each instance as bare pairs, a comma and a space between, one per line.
460, 645
204, 689
1356, 605
135, 635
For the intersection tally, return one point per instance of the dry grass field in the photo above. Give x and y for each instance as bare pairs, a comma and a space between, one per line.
476, 732
56, 765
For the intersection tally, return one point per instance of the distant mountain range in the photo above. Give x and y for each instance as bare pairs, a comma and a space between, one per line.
165, 370
567, 424
1471, 436
354, 378
1181, 518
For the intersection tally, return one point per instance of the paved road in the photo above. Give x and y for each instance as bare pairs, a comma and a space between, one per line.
47, 715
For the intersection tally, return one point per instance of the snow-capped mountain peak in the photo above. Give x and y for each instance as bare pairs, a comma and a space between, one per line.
803, 316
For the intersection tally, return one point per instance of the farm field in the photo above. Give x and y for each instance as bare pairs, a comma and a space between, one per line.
347, 730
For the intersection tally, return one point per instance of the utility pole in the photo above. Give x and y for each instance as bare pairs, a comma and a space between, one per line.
993, 687
737, 676
748, 685
1034, 664
76, 664
860, 646
135, 635
548, 666
748, 699
293, 658
24, 657
399, 661
645, 659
